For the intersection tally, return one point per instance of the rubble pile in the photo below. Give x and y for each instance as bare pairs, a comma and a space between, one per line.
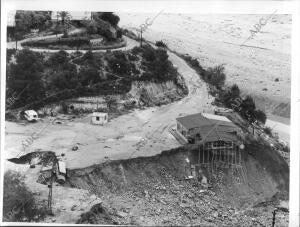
155, 191
180, 202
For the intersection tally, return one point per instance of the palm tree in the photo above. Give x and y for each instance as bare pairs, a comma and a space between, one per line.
64, 16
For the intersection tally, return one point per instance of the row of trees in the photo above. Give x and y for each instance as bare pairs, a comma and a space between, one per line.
230, 97
27, 20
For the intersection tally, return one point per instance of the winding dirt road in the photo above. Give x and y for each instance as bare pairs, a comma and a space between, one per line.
139, 133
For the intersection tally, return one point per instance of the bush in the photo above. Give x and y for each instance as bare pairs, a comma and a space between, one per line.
119, 33
58, 59
286, 149
70, 41
25, 76
120, 65
64, 79
268, 131
260, 116
216, 76
160, 44
89, 75
9, 54
64, 108
18, 202
107, 16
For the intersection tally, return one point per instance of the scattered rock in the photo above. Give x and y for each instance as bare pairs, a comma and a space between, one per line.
73, 207
75, 148
122, 214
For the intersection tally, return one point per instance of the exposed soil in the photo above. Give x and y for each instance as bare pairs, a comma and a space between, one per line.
153, 190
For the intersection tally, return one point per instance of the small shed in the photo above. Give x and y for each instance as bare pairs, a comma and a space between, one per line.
99, 118
31, 115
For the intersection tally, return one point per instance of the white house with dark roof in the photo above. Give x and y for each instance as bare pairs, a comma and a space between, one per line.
204, 127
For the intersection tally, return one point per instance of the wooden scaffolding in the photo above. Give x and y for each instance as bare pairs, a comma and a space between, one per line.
218, 155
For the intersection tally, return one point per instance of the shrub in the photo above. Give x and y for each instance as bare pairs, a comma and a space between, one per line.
216, 76
260, 116
89, 75
107, 16
120, 65
193, 62
25, 76
18, 202
64, 79
70, 41
286, 149
58, 59
9, 54
64, 108
268, 131
160, 44
119, 33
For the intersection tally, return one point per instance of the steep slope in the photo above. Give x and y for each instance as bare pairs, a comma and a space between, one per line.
153, 190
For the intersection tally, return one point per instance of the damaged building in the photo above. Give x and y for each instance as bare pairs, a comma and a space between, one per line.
218, 138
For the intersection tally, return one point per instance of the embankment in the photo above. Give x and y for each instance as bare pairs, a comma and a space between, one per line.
153, 190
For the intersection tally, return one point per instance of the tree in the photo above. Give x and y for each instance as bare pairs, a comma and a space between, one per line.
235, 91
107, 16
64, 16
111, 102
26, 72
248, 108
89, 75
64, 79
260, 116
18, 201
27, 20
216, 76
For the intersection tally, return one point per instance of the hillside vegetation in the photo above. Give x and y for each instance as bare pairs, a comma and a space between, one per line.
56, 76
101, 31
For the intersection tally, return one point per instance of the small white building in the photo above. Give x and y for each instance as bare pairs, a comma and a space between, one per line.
99, 118
31, 115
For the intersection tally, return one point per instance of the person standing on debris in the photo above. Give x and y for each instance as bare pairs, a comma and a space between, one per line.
201, 178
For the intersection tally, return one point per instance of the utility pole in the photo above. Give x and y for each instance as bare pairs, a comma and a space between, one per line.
274, 217
141, 37
50, 186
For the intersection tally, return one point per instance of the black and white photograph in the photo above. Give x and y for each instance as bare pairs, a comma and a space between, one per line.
150, 114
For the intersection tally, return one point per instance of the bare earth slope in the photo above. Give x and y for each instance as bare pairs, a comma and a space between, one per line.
152, 190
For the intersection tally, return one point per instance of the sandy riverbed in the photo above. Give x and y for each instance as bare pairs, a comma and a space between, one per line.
216, 39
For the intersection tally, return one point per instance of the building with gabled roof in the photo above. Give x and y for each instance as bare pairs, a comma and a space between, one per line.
218, 138
207, 127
